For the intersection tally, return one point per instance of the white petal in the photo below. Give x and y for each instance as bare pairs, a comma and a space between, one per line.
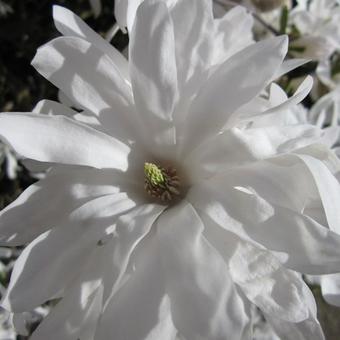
91, 80
61, 253
282, 180
204, 303
116, 247
53, 108
232, 33
237, 147
328, 187
70, 186
330, 288
193, 51
153, 70
274, 289
300, 94
65, 100
313, 248
153, 66
125, 12
74, 317
69, 24
233, 84
322, 112
289, 65
277, 95
131, 228
307, 329
59, 139
197, 54
140, 309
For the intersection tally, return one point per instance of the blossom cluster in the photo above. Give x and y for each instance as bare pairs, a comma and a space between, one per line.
186, 193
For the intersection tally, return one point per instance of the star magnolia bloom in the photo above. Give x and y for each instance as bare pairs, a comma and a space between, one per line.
166, 211
318, 24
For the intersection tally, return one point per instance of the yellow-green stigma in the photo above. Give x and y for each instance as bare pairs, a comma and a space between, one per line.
161, 183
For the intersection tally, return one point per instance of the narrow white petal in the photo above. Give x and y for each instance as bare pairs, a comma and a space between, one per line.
328, 187
61, 253
130, 229
125, 12
314, 248
91, 80
289, 65
71, 186
238, 147
58, 139
153, 66
74, 317
193, 51
69, 24
300, 94
307, 329
233, 84
53, 108
232, 32
204, 302
260, 275
274, 289
140, 309
330, 288
153, 70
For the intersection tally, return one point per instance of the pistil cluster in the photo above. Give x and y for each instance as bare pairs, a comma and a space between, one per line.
161, 183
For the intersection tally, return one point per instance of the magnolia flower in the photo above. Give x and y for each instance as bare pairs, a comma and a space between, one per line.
317, 23
168, 208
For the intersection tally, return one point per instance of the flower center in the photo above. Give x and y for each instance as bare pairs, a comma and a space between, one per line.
161, 183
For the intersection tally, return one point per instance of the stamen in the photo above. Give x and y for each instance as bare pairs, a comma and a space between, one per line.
161, 183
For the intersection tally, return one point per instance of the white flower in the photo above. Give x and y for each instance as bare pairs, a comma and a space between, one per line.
318, 25
166, 210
